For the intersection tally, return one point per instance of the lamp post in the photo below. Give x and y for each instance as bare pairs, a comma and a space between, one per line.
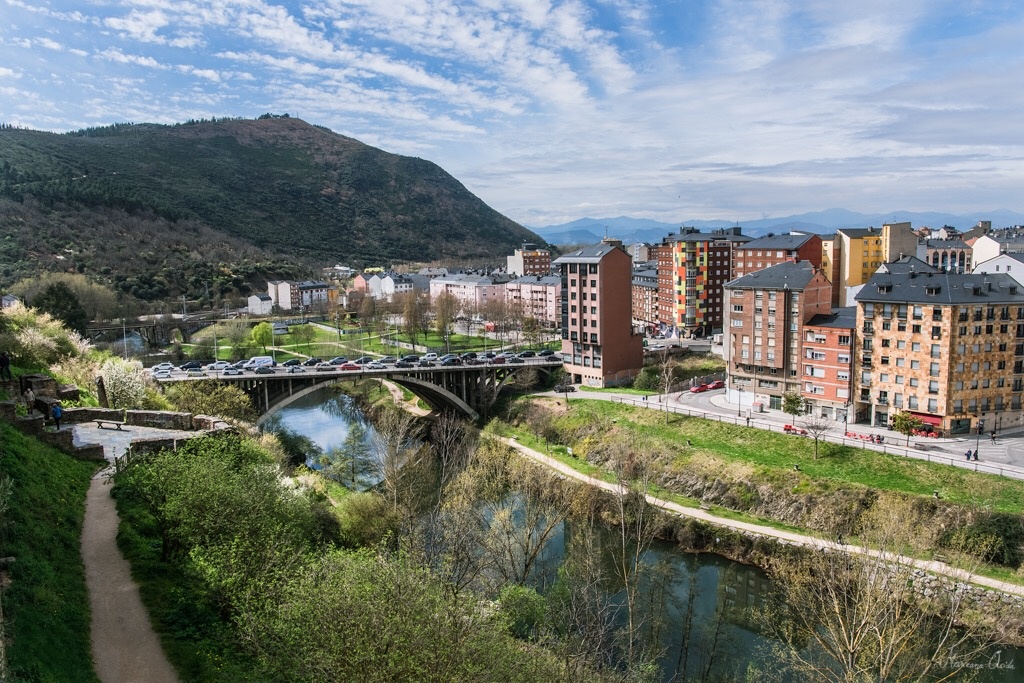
977, 441
739, 401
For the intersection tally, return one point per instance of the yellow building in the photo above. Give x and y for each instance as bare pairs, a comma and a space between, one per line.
862, 250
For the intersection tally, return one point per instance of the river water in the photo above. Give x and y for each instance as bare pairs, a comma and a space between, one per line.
724, 591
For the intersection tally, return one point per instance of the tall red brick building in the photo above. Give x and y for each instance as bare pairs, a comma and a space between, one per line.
598, 343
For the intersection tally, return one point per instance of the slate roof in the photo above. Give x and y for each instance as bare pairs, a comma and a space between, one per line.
942, 289
786, 241
695, 235
946, 244
844, 318
546, 280
860, 232
789, 275
906, 264
589, 254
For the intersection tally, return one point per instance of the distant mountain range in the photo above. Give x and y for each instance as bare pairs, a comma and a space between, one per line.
591, 230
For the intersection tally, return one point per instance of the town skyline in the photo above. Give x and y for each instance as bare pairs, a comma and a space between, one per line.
552, 111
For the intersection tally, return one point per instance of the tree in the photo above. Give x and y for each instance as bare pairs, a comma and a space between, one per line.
446, 307
304, 335
59, 301
846, 617
792, 403
817, 427
263, 335
352, 461
209, 397
124, 383
906, 423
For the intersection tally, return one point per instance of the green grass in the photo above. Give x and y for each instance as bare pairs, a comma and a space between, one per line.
46, 606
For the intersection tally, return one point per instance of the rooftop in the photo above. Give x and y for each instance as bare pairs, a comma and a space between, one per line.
791, 275
941, 289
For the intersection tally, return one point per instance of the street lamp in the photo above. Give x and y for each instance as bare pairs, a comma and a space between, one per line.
977, 441
739, 401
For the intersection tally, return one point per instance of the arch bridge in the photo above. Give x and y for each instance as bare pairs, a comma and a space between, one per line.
468, 390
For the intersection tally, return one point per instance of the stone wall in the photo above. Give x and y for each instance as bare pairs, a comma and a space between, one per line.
79, 415
159, 419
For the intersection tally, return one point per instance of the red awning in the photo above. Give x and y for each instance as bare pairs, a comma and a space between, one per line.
933, 420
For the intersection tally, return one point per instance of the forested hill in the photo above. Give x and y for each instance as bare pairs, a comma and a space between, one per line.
157, 210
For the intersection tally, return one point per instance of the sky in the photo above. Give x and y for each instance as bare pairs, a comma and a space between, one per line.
554, 110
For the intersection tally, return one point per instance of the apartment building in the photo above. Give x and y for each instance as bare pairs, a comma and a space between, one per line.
537, 297
692, 268
831, 262
645, 299
863, 250
828, 363
473, 292
771, 250
529, 261
767, 313
953, 255
947, 347
598, 342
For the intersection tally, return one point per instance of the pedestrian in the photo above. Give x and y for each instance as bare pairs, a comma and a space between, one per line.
748, 420
839, 538
975, 453
57, 413
30, 400
993, 436
968, 454
5, 366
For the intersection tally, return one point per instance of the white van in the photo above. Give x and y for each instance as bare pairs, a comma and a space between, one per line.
258, 362
429, 356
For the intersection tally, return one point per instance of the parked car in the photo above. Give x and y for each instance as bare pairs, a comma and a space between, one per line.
527, 354
162, 367
191, 365
429, 356
375, 365
338, 360
292, 362
717, 384
699, 389
350, 366
312, 362
564, 388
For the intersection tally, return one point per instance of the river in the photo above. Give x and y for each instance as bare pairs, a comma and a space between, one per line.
721, 586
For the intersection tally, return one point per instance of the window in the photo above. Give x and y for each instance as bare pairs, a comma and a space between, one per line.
844, 340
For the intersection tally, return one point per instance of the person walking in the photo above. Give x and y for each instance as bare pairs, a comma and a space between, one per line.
57, 413
975, 454
967, 455
5, 366
30, 400
993, 436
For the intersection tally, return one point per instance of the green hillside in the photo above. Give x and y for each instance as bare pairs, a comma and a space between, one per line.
161, 210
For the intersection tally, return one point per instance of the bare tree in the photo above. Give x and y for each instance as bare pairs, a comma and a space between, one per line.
845, 617
817, 427
446, 307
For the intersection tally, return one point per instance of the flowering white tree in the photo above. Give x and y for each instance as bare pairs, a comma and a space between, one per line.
125, 383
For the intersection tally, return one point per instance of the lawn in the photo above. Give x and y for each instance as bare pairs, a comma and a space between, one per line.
773, 455
46, 606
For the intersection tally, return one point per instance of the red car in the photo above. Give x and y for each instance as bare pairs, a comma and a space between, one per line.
350, 366
699, 389
717, 384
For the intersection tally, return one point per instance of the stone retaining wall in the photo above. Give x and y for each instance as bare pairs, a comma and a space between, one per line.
80, 415
160, 419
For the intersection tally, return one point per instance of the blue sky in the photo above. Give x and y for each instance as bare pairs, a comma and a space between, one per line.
551, 111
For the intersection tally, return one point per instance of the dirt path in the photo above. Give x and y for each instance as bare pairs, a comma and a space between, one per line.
788, 536
125, 649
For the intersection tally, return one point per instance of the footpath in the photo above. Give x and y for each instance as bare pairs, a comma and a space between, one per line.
125, 648
932, 566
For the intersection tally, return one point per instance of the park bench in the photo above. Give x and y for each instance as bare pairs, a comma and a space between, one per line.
113, 424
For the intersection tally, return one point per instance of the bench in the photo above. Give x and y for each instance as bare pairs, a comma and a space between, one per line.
114, 424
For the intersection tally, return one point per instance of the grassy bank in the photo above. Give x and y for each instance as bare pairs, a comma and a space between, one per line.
46, 606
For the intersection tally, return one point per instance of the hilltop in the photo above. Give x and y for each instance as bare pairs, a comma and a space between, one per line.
161, 210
